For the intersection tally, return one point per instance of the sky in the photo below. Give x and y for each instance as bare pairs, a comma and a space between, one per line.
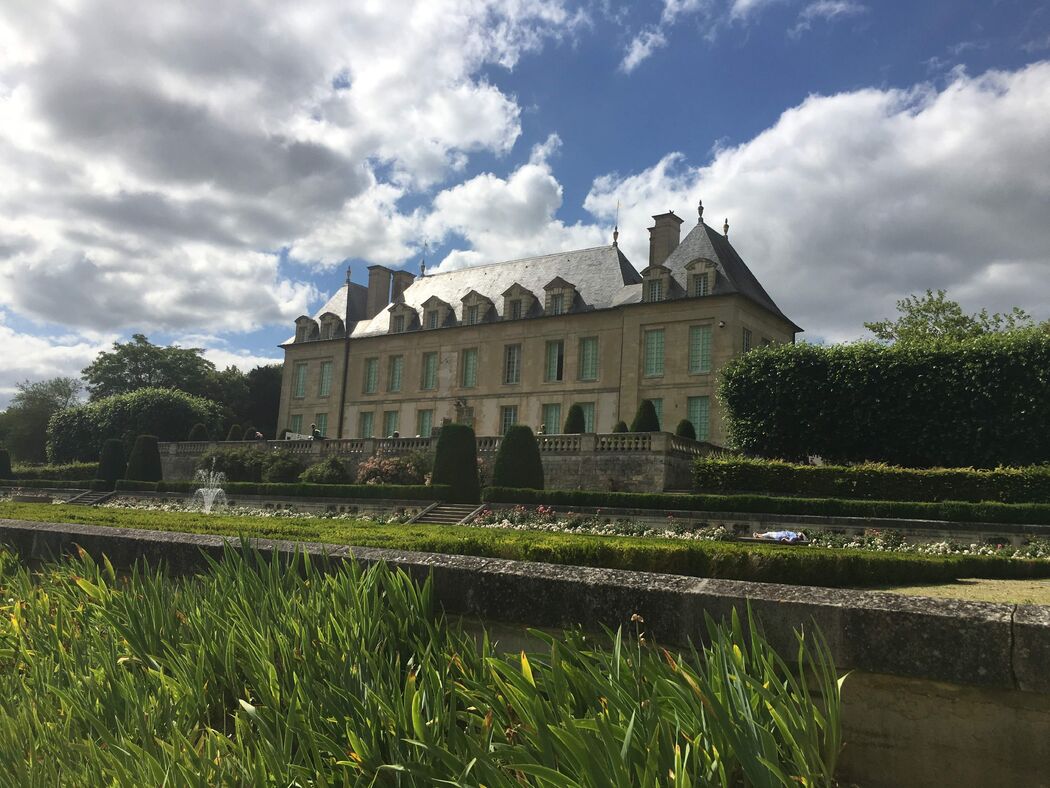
203, 172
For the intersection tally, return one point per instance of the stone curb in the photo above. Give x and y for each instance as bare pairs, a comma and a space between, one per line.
983, 644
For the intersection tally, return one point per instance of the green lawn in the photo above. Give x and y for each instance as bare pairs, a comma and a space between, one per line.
801, 565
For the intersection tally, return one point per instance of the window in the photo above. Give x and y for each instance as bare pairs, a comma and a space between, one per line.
366, 425
699, 348
389, 423
424, 423
508, 415
399, 324
324, 388
295, 424
658, 406
558, 304
515, 309
654, 353
432, 319
469, 361
430, 371
656, 290
512, 364
746, 343
552, 417
700, 285
472, 314
299, 384
589, 358
321, 422
555, 361
371, 376
588, 416
698, 411
394, 370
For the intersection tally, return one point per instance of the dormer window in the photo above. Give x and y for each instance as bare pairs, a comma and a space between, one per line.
472, 315
515, 309
699, 284
331, 326
518, 302
654, 290
398, 324
306, 329
557, 303
403, 318
561, 296
435, 312
477, 308
432, 318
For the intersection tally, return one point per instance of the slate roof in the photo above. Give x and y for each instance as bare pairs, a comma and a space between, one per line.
735, 276
600, 275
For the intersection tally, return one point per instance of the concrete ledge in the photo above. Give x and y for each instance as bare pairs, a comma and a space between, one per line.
980, 644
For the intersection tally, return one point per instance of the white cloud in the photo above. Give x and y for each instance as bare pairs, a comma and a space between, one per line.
654, 37
850, 202
156, 158
825, 10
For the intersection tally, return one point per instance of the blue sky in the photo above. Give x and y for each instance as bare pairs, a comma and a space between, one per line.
203, 177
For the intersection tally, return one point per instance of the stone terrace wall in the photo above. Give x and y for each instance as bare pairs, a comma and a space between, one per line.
629, 461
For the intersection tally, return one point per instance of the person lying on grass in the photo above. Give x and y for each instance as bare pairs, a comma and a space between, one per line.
784, 537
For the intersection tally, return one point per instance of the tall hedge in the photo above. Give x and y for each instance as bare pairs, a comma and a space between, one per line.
518, 462
685, 429
78, 433
575, 421
112, 464
144, 462
456, 463
646, 420
5, 464
982, 402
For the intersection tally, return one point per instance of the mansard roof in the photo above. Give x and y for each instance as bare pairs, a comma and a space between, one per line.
602, 275
735, 276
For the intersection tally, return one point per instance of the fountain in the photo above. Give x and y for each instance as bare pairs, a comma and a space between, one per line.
210, 491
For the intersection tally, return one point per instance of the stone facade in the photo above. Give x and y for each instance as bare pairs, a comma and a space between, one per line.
628, 462
522, 341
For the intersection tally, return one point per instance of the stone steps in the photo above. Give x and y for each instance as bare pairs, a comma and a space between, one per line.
447, 514
92, 498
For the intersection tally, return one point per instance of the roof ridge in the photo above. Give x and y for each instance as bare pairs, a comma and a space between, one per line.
514, 260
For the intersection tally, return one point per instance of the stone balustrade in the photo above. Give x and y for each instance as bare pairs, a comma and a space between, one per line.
629, 461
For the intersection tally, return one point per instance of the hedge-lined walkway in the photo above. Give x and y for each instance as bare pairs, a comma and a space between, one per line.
763, 563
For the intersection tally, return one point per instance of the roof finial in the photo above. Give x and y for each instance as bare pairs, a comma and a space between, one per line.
700, 212
423, 262
348, 275
725, 228
616, 226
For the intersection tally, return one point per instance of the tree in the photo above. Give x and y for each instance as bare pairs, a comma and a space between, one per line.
140, 364
456, 463
575, 423
518, 462
264, 398
26, 418
934, 316
646, 420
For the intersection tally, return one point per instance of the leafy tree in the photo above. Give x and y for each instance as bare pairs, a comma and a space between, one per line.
264, 398
646, 420
144, 462
24, 423
456, 463
685, 430
140, 364
575, 422
518, 462
933, 316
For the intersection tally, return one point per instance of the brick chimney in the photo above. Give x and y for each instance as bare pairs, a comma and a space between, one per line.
402, 279
379, 279
664, 236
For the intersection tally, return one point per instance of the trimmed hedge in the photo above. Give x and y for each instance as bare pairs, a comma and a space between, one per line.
958, 511
144, 460
982, 402
199, 433
872, 481
685, 429
111, 464
5, 464
404, 492
518, 462
81, 471
621, 426
456, 463
575, 421
49, 484
645, 419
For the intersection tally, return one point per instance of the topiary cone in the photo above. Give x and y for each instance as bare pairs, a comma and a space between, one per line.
5, 464
111, 463
236, 433
621, 426
144, 462
456, 463
646, 420
685, 430
575, 423
518, 462
199, 433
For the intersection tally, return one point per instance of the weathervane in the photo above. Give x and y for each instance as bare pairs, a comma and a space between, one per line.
423, 261
616, 226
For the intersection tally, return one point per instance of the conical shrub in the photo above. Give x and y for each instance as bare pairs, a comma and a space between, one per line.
199, 433
456, 463
144, 462
575, 423
645, 420
621, 426
5, 464
112, 464
685, 430
236, 433
518, 462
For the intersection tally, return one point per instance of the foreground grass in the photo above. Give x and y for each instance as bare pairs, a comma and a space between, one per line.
1012, 592
801, 566
258, 674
